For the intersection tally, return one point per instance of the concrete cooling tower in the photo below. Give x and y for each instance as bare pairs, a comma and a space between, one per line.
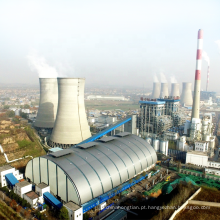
164, 90
156, 90
71, 126
175, 89
186, 97
48, 103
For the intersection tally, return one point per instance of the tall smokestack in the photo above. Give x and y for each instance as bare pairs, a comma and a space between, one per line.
207, 83
71, 125
197, 85
186, 96
175, 90
156, 90
164, 90
47, 110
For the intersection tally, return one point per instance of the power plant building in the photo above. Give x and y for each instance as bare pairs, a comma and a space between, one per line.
71, 126
84, 172
47, 111
164, 90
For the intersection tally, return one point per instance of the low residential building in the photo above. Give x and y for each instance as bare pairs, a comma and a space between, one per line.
75, 211
22, 188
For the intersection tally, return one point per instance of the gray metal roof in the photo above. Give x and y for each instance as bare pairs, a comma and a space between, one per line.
100, 168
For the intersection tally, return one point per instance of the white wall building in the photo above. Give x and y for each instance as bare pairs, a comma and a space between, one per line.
6, 170
41, 188
22, 188
198, 158
201, 146
75, 211
212, 171
31, 198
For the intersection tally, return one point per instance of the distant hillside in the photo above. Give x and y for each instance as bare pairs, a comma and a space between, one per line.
18, 140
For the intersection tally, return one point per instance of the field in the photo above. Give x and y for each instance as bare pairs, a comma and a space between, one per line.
111, 105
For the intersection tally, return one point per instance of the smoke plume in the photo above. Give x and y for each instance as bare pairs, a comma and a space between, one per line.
173, 79
163, 78
218, 43
39, 64
206, 57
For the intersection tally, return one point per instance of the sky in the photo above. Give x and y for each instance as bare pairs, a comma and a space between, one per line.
114, 42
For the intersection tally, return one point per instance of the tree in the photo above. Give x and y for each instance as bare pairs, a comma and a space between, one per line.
18, 208
26, 106
6, 107
63, 213
10, 114
24, 115
13, 203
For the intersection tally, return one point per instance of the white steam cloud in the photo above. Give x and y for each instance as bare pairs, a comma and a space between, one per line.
173, 79
218, 43
206, 57
156, 78
163, 78
39, 64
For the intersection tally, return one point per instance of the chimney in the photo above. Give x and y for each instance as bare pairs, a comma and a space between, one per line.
197, 85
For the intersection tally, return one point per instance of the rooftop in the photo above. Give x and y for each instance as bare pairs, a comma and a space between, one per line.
22, 184
6, 167
32, 195
197, 153
42, 185
71, 205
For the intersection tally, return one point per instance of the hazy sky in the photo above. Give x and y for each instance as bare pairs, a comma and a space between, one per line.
123, 42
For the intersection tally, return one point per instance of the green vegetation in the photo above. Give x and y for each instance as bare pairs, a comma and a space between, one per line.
25, 143
24, 115
14, 196
63, 213
7, 213
6, 107
26, 106
10, 114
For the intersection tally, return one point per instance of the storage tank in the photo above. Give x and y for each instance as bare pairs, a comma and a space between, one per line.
164, 147
71, 126
47, 110
156, 145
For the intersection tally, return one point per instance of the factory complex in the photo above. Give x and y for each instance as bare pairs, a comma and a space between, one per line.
83, 170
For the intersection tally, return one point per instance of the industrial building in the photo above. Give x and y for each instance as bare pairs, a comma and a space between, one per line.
156, 90
47, 111
175, 90
106, 97
71, 125
87, 171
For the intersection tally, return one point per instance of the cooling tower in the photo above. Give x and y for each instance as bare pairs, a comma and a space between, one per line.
71, 125
48, 103
186, 96
164, 90
156, 90
175, 89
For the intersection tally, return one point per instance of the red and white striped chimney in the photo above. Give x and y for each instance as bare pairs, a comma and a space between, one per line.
197, 85
207, 83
